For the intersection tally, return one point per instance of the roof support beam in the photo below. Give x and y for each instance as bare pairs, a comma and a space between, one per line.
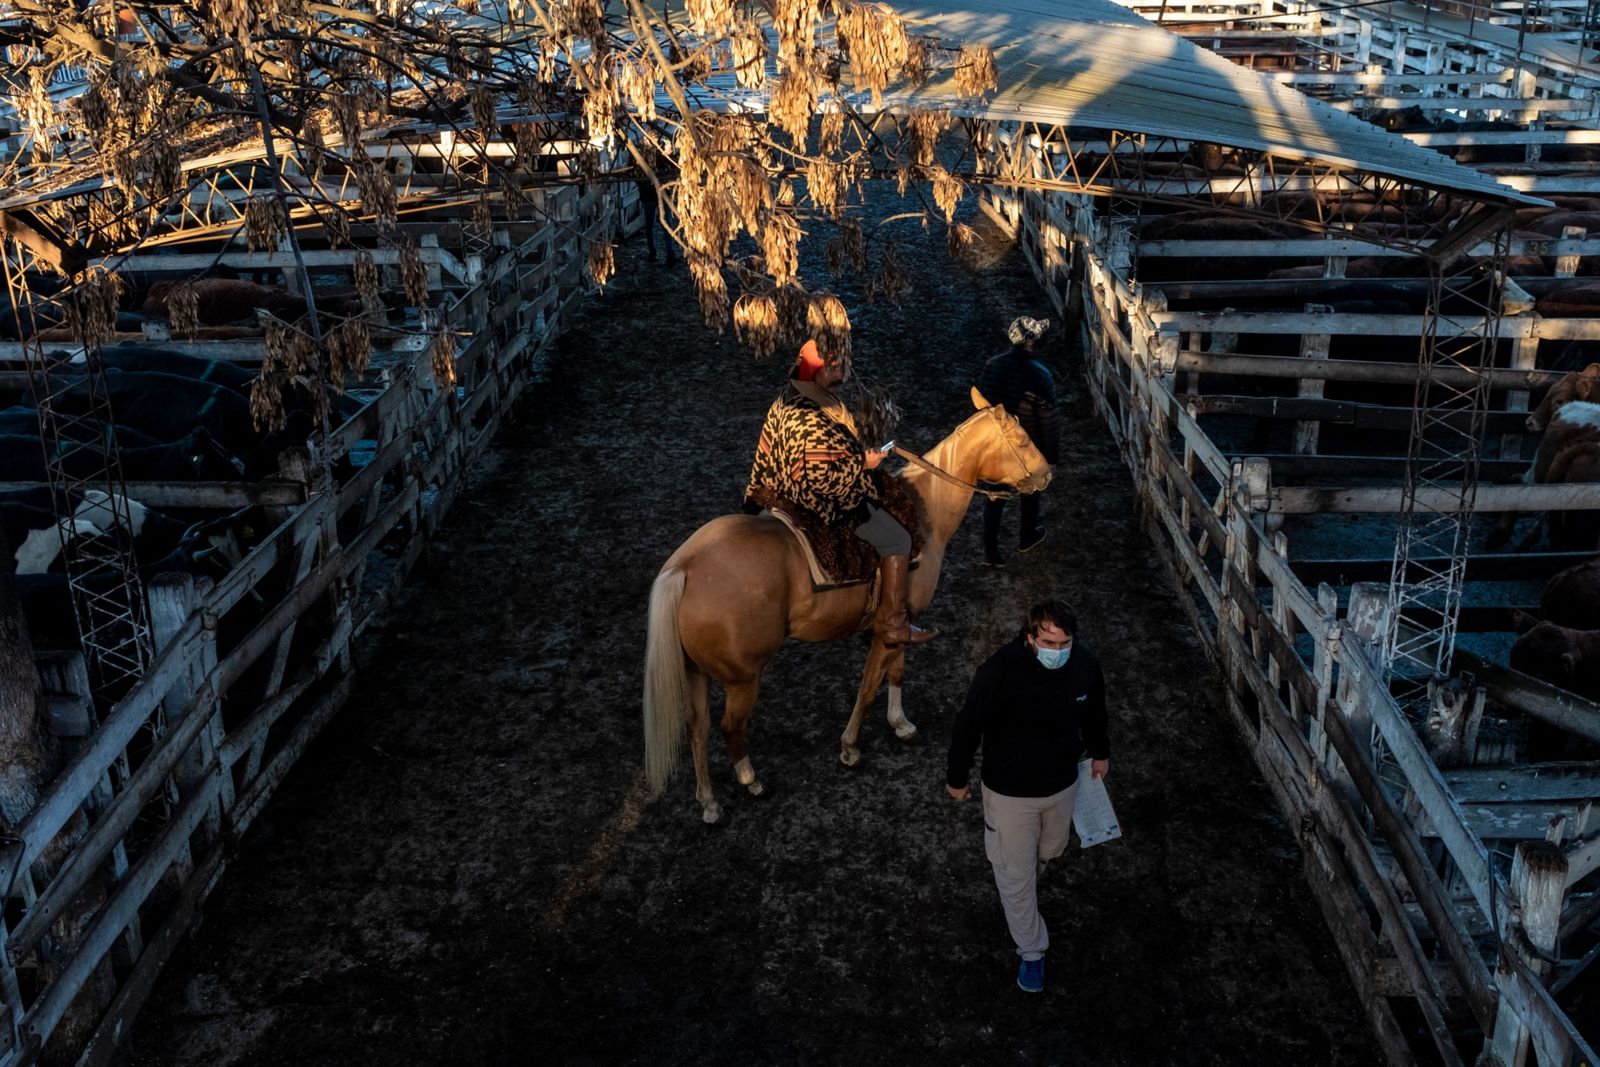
43, 242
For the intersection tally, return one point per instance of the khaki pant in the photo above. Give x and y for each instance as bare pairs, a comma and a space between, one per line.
1019, 833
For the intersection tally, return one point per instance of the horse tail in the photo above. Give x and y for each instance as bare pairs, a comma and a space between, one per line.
666, 681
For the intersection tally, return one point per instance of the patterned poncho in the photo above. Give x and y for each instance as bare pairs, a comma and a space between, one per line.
809, 453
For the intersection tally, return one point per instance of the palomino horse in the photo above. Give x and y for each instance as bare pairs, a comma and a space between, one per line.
728, 597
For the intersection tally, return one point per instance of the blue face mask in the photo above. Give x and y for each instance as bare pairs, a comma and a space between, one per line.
1053, 658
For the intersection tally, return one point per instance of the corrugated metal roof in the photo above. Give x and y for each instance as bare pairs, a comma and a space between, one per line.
1093, 63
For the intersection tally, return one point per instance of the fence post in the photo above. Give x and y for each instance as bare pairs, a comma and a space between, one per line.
173, 598
1368, 618
1323, 657
1312, 346
1455, 708
1284, 621
1538, 882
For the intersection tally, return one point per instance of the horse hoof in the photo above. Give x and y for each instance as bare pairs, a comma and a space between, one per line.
849, 756
712, 816
745, 772
760, 791
906, 732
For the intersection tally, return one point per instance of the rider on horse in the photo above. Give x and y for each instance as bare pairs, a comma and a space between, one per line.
810, 452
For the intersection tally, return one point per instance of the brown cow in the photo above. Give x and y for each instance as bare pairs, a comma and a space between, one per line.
1572, 598
1568, 659
1579, 385
1552, 223
1569, 452
224, 300
1557, 654
1571, 302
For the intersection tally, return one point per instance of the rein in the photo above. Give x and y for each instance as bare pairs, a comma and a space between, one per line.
992, 494
939, 472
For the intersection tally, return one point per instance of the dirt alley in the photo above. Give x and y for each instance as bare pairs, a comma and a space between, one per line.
456, 873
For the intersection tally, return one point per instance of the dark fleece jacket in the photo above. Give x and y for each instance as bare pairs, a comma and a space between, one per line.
1033, 723
1025, 388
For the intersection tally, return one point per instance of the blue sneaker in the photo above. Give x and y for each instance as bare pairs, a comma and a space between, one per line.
1030, 976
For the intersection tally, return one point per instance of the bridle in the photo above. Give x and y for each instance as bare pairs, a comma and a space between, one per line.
1030, 478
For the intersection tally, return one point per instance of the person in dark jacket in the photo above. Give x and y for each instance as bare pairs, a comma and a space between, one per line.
1017, 380
660, 171
1034, 707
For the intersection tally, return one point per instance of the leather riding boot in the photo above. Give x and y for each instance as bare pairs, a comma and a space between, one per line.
891, 624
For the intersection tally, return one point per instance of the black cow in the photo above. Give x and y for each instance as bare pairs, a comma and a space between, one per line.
47, 599
163, 361
29, 516
167, 406
32, 320
163, 546
22, 421
196, 457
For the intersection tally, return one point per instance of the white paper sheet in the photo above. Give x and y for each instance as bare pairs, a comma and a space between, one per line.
1092, 815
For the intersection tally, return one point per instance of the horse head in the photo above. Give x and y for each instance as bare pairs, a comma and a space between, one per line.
1008, 455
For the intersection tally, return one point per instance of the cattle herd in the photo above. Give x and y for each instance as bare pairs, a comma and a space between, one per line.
1564, 648
178, 418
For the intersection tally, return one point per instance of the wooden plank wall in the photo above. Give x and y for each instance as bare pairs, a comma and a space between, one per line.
250, 667
1401, 870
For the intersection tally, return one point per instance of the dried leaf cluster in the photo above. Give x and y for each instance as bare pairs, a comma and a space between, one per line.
442, 357
602, 262
891, 282
290, 359
413, 275
876, 42
975, 73
876, 414
263, 223
755, 322
349, 349
183, 310
91, 307
329, 81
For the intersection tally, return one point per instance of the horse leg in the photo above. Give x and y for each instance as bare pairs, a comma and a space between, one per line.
871, 678
700, 742
904, 728
735, 720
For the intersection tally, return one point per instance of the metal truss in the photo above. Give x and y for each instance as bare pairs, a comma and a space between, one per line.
1317, 196
429, 165
439, 164
1461, 331
80, 454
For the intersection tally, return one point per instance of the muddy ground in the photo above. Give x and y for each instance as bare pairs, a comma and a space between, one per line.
459, 871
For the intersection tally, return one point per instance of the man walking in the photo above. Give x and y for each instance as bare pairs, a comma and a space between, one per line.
661, 170
1017, 380
1034, 706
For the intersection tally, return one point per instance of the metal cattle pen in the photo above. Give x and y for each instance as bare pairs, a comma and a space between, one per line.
1304, 682
1452, 876
247, 669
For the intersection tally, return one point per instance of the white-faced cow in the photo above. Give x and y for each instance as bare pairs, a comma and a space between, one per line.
1569, 452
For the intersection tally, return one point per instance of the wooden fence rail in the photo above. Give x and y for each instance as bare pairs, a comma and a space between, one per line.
250, 667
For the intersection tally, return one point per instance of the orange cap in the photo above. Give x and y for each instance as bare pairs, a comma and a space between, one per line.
809, 361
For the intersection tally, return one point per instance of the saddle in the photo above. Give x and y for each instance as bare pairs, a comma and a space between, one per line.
836, 555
